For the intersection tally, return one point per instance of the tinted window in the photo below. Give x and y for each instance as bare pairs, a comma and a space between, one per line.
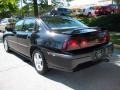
19, 25
62, 23
29, 24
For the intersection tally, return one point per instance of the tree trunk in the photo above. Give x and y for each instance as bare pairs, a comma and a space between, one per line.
35, 8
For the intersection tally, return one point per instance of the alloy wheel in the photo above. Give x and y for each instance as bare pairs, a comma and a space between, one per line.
38, 60
6, 45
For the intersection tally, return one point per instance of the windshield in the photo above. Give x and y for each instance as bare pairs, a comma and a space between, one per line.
62, 23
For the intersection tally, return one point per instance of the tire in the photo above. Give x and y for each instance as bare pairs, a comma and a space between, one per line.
6, 46
39, 62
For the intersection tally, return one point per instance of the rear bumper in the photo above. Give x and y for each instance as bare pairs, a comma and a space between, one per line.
67, 62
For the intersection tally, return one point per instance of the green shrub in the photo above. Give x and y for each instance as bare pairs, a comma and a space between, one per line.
85, 20
110, 22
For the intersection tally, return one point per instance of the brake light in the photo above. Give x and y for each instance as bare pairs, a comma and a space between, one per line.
71, 44
83, 43
105, 38
74, 44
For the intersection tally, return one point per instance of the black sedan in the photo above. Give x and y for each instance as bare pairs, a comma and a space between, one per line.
57, 42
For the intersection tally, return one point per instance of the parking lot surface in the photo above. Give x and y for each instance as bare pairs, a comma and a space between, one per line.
18, 74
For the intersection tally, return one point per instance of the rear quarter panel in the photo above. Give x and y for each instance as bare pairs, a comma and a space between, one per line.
50, 43
51, 40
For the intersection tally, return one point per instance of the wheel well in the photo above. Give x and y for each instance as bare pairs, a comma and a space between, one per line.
32, 49
3, 38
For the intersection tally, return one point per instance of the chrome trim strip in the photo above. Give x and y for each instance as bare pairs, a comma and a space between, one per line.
18, 43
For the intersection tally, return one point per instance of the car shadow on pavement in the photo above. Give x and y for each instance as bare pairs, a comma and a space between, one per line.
26, 60
103, 76
92, 75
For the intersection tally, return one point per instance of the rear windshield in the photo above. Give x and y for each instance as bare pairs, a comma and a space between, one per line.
62, 23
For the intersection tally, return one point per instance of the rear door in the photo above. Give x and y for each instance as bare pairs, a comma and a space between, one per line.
24, 36
12, 38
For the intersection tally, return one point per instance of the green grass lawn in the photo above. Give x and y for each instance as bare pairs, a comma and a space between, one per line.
115, 38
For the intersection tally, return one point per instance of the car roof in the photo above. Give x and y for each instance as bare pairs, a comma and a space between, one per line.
49, 16
57, 16
29, 18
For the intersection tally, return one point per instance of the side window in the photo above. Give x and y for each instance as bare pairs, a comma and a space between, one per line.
29, 24
19, 25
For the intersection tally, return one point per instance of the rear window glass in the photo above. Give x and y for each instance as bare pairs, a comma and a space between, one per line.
62, 23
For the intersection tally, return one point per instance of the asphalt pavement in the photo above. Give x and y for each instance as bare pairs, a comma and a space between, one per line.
16, 73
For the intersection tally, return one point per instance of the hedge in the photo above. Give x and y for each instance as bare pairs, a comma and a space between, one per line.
110, 22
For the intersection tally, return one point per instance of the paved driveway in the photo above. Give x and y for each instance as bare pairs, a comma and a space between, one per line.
1, 34
18, 74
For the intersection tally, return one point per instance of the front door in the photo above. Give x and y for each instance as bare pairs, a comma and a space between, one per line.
24, 37
12, 38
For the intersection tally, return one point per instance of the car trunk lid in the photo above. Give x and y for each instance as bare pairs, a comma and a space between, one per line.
83, 37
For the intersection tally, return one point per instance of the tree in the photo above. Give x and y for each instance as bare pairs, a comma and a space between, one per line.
8, 7
43, 4
35, 5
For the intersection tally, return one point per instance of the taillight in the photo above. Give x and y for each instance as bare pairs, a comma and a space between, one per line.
74, 44
105, 38
83, 42
71, 44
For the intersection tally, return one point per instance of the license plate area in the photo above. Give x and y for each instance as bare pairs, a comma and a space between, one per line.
99, 54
